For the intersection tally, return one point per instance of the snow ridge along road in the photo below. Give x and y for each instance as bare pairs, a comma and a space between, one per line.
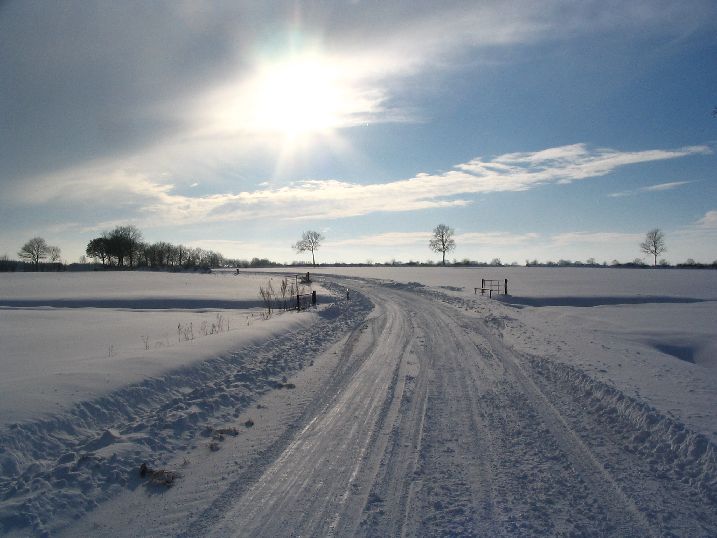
424, 423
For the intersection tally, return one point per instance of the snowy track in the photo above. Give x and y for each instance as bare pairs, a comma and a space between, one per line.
445, 431
423, 423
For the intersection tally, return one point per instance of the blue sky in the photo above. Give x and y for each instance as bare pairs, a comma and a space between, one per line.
535, 129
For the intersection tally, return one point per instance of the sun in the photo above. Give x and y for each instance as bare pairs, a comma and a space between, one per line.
299, 96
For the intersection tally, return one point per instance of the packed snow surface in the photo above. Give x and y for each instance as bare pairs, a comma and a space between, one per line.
582, 403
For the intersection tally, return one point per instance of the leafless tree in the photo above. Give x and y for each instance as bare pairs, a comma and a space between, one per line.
442, 240
54, 253
35, 249
654, 244
310, 241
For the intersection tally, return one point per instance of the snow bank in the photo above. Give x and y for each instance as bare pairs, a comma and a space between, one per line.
57, 467
666, 444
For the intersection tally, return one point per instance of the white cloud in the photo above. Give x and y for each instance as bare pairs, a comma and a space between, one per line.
155, 203
709, 220
594, 238
650, 188
497, 239
387, 239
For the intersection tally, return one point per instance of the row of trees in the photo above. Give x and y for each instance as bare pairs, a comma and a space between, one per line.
36, 250
124, 247
442, 242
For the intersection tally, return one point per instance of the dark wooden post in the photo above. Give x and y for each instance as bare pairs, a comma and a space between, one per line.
505, 287
298, 302
313, 298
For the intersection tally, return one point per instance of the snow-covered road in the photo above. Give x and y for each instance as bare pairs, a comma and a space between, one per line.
422, 422
444, 431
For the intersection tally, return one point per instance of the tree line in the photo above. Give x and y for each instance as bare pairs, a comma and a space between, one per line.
123, 247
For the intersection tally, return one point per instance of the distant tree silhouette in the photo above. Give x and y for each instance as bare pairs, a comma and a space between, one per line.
654, 244
98, 249
310, 241
123, 247
54, 253
442, 240
35, 249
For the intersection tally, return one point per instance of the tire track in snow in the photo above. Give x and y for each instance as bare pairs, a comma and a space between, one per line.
479, 406
621, 509
320, 482
462, 442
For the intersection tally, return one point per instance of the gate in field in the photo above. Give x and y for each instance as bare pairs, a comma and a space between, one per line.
305, 300
492, 286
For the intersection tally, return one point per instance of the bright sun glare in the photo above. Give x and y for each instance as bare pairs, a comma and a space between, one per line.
298, 97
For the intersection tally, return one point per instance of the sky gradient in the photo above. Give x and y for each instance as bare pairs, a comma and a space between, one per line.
535, 129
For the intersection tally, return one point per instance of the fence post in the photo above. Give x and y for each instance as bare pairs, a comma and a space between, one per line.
298, 303
505, 287
313, 298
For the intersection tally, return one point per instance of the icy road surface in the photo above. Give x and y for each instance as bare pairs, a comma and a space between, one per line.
423, 423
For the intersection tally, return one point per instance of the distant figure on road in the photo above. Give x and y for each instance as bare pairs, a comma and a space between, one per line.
347, 294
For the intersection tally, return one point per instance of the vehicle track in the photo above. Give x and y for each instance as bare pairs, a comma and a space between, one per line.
441, 432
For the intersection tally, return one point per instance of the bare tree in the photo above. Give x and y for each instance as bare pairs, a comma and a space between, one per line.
54, 253
654, 243
35, 250
310, 241
442, 240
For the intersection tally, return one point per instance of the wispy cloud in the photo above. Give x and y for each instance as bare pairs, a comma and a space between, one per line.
594, 238
390, 239
650, 188
387, 239
496, 239
157, 204
709, 220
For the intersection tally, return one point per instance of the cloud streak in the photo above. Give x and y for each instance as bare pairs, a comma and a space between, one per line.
156, 203
660, 187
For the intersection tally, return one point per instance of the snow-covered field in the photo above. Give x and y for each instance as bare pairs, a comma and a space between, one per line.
581, 404
69, 337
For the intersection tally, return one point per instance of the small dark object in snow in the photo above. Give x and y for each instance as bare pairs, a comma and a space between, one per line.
213, 447
285, 386
227, 431
249, 423
160, 477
